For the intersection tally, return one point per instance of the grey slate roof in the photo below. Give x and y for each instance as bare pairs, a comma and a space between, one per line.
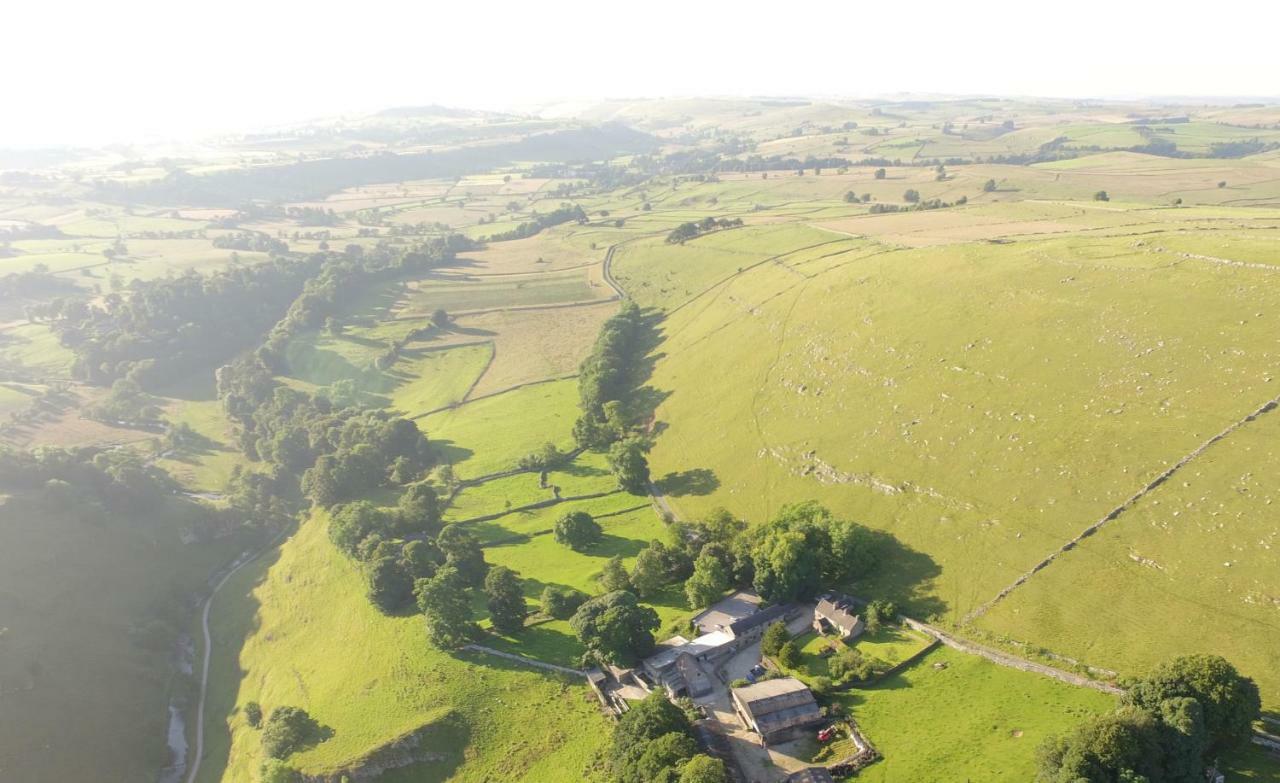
778, 704
739, 627
840, 612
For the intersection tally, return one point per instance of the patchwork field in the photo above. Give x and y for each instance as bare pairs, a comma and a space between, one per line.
532, 345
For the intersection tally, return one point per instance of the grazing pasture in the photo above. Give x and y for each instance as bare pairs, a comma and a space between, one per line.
205, 466
963, 714
983, 403
488, 435
532, 345
1170, 576
544, 252
35, 348
657, 274
461, 293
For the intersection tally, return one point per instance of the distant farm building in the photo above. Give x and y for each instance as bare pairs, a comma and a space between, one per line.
837, 614
778, 710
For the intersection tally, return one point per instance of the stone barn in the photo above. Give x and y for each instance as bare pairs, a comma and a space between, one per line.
778, 710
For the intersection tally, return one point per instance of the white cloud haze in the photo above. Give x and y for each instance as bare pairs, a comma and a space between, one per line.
80, 71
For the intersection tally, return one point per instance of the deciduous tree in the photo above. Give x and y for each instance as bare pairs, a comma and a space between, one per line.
507, 607
629, 465
615, 627
577, 530
443, 601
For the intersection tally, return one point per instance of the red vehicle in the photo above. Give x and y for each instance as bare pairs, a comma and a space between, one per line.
827, 734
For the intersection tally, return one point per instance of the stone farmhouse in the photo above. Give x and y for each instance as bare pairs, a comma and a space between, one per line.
837, 614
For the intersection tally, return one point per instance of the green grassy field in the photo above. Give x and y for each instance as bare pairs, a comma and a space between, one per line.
971, 718
423, 377
495, 496
524, 543
462, 293
437, 378
16, 397
208, 466
489, 435
1198, 555
35, 348
657, 274
885, 648
289, 630
92, 609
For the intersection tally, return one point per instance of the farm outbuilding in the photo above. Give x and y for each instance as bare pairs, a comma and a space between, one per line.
680, 666
778, 710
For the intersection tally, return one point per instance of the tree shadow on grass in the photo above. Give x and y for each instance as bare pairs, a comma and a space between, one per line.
449, 453
472, 331
697, 481
540, 642
367, 342
643, 399
580, 470
905, 576
197, 447
610, 545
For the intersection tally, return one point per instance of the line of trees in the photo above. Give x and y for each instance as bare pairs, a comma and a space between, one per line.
607, 378
912, 197
686, 231
250, 241
563, 214
345, 276
795, 555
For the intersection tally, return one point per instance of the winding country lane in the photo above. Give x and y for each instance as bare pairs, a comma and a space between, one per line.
208, 649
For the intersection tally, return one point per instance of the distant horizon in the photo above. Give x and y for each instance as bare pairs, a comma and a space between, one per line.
94, 74
538, 107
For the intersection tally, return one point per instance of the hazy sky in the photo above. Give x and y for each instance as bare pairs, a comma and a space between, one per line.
86, 70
